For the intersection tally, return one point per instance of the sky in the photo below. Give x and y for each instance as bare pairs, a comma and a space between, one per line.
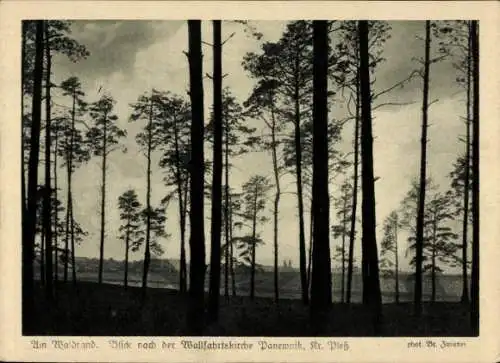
128, 58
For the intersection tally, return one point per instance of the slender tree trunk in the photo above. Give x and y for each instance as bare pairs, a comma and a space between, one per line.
276, 206
254, 236
465, 223
309, 266
233, 277
70, 191
147, 250
182, 213
371, 282
183, 245
344, 226
197, 237
396, 257
103, 199
215, 253
42, 256
48, 190
352, 234
433, 261
321, 282
423, 165
127, 249
227, 195
226, 256
28, 251
300, 198
67, 224
72, 222
475, 180
56, 212
24, 197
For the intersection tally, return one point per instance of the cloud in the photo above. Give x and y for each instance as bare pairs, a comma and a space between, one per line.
113, 45
130, 57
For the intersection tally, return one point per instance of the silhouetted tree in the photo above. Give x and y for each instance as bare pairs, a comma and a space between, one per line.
174, 133
423, 165
438, 238
103, 139
321, 281
237, 140
371, 283
254, 203
261, 103
343, 206
454, 40
74, 152
47, 209
474, 34
148, 108
389, 253
29, 235
130, 231
215, 250
197, 235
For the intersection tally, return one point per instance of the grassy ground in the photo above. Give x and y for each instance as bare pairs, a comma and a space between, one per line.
110, 310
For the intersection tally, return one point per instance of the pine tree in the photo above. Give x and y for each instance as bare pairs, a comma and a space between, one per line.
197, 235
103, 139
321, 282
389, 251
130, 231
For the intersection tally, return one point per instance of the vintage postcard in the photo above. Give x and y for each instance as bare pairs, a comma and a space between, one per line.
249, 181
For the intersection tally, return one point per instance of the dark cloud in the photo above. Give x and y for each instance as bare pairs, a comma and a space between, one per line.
113, 45
401, 52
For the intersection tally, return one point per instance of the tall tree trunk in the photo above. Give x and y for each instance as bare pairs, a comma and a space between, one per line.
226, 258
215, 253
396, 257
28, 251
186, 191
42, 256
127, 249
321, 282
465, 222
56, 211
70, 191
300, 198
276, 206
352, 234
227, 196
233, 277
72, 222
103, 199
47, 208
423, 165
197, 237
344, 226
475, 180
433, 261
67, 224
371, 282
182, 208
147, 249
310, 252
254, 236
24, 197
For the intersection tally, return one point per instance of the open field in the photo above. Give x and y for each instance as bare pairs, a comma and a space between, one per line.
90, 309
163, 275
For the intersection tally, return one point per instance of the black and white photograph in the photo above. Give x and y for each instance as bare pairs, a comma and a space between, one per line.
291, 178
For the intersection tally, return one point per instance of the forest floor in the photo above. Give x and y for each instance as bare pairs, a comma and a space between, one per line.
90, 309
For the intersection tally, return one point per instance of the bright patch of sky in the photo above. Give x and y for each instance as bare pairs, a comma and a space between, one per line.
128, 58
